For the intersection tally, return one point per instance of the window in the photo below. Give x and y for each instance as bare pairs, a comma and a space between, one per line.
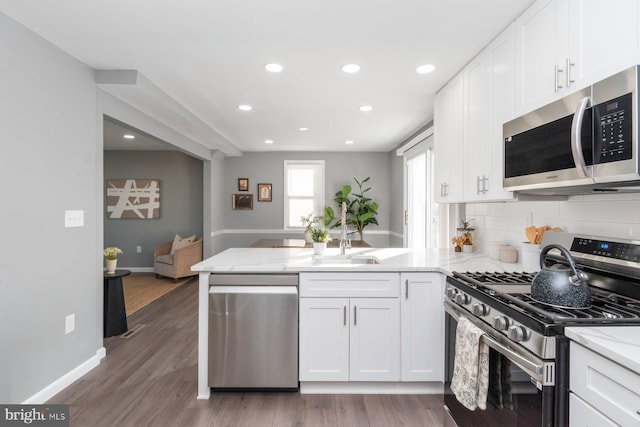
304, 190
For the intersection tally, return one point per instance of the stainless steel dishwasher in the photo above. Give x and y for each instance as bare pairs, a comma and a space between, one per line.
253, 331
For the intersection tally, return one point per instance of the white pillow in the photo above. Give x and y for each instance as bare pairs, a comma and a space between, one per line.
179, 242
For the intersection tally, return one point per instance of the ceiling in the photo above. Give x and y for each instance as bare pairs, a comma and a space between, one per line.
208, 57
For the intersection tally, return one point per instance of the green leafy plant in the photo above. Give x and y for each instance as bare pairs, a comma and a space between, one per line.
320, 235
361, 210
111, 252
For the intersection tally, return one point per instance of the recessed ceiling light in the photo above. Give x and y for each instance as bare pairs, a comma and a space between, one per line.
366, 108
274, 68
245, 107
268, 141
351, 68
128, 136
349, 142
303, 129
426, 68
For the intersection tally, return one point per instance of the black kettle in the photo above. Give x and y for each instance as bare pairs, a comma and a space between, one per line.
559, 285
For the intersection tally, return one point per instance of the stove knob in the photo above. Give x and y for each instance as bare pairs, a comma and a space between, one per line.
451, 293
501, 323
462, 299
517, 333
480, 309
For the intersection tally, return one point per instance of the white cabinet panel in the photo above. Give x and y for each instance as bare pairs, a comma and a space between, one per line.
448, 141
422, 327
375, 339
608, 387
583, 415
541, 49
378, 285
324, 339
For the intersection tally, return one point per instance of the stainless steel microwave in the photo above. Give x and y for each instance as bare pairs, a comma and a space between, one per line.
584, 143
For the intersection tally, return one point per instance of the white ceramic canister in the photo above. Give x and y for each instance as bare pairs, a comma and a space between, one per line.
530, 257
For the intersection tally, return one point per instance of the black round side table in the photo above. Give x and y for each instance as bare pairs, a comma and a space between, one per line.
115, 315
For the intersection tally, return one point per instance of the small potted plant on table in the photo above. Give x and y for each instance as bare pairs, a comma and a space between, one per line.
111, 257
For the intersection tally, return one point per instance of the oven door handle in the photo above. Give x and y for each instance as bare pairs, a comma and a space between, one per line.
538, 369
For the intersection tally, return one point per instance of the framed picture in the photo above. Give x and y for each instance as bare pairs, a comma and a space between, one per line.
242, 202
243, 184
264, 192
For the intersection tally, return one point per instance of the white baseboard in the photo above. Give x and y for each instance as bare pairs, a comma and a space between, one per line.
139, 269
371, 388
67, 379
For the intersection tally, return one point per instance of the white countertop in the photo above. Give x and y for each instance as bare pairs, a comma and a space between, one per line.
618, 343
273, 260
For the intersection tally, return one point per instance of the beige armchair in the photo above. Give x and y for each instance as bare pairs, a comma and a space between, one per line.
178, 264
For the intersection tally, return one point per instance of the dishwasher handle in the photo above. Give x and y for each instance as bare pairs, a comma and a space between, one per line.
261, 290
253, 279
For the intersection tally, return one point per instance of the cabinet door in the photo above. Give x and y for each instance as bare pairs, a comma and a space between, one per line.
375, 339
324, 339
604, 35
477, 143
422, 327
448, 141
502, 108
541, 52
583, 415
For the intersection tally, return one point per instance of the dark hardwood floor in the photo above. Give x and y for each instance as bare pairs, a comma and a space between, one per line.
150, 379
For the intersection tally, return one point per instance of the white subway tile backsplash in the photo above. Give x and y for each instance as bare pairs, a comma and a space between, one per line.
616, 215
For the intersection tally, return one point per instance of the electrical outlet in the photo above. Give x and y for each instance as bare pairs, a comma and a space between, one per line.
69, 323
138, 249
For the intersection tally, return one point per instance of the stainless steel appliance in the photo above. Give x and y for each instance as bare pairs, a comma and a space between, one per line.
253, 331
528, 360
586, 142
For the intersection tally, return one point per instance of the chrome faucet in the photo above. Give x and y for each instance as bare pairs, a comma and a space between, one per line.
344, 242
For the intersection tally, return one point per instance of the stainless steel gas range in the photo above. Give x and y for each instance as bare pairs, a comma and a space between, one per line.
528, 351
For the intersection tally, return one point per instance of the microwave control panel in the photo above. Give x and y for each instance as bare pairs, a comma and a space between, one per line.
613, 133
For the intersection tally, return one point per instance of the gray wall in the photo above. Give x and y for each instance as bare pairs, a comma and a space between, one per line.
48, 165
181, 202
340, 169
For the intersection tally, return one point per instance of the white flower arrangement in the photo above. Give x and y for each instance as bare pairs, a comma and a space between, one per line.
111, 252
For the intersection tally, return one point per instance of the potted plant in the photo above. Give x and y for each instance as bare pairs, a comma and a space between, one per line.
111, 257
320, 237
361, 210
308, 222
464, 240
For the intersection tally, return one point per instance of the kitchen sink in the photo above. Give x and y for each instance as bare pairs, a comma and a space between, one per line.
354, 260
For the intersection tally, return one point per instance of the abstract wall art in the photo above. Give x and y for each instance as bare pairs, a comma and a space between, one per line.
133, 198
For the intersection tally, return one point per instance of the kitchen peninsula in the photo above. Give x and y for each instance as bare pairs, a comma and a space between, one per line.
402, 267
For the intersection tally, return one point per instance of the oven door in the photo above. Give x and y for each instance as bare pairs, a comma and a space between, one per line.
522, 389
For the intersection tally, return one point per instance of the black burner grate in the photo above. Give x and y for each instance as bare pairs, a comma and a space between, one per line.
606, 307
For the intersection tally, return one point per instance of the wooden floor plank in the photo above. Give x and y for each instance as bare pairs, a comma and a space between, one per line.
150, 379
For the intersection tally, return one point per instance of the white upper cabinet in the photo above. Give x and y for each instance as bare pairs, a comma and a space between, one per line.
449, 139
565, 45
605, 36
541, 53
489, 102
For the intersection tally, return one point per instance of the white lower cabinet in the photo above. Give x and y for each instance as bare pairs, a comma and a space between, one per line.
349, 339
371, 327
422, 326
602, 392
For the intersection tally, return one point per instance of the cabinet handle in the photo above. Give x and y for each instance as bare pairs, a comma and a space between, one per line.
569, 66
355, 315
558, 84
478, 190
344, 314
406, 289
485, 184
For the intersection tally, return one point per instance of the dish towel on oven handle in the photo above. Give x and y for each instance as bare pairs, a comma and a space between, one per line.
471, 366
